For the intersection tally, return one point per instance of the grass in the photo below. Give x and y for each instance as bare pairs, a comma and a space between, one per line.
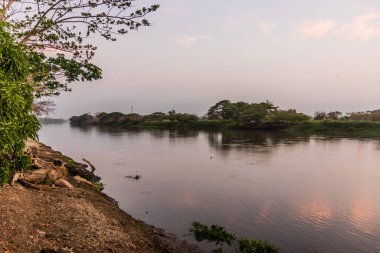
338, 127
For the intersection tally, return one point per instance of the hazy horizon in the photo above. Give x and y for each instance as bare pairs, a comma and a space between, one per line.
304, 55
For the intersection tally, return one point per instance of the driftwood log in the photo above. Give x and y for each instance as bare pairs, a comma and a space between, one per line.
54, 173
50, 172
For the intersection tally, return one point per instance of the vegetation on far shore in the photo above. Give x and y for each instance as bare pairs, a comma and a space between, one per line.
365, 129
47, 120
242, 115
223, 114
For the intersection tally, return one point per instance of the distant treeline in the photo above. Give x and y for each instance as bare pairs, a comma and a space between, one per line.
51, 121
223, 114
354, 116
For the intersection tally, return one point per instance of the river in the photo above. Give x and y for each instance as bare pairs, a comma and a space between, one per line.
303, 194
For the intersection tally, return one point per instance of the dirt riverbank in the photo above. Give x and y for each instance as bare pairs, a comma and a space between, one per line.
74, 220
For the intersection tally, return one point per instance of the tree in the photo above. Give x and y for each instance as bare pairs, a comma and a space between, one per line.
156, 116
288, 116
216, 111
186, 117
65, 27
181, 117
171, 115
334, 115
254, 113
17, 123
320, 116
133, 118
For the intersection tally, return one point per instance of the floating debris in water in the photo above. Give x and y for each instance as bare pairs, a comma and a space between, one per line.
134, 177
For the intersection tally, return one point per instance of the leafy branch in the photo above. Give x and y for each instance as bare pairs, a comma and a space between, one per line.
66, 27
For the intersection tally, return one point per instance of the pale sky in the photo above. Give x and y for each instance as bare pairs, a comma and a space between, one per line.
304, 54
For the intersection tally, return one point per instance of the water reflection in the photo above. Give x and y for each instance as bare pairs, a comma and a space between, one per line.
264, 212
245, 141
316, 212
259, 141
362, 214
188, 200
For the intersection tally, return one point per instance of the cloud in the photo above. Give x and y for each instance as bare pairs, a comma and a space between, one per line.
232, 23
363, 27
188, 41
315, 30
266, 28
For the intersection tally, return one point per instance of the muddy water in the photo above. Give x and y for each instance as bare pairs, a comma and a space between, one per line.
304, 194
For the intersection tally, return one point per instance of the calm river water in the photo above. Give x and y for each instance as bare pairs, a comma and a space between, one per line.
309, 194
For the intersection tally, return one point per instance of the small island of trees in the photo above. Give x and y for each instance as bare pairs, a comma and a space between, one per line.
223, 114
242, 115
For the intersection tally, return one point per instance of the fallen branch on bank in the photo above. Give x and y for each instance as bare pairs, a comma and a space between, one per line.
52, 173
89, 163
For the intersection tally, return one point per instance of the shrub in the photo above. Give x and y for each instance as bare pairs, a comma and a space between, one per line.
219, 235
215, 233
17, 123
256, 246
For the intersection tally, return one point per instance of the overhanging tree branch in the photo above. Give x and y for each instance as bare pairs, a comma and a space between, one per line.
65, 25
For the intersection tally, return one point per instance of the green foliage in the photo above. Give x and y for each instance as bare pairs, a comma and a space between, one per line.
289, 116
320, 116
218, 111
156, 116
83, 120
215, 233
171, 115
335, 115
256, 246
14, 63
60, 68
219, 235
338, 127
99, 186
186, 117
363, 116
249, 114
108, 118
17, 124
131, 118
254, 113
65, 27
182, 117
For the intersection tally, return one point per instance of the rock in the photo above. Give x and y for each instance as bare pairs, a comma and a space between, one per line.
41, 234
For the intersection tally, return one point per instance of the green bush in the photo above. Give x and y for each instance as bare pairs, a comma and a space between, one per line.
219, 235
17, 123
256, 246
215, 233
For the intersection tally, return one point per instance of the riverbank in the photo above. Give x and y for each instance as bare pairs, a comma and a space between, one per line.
74, 220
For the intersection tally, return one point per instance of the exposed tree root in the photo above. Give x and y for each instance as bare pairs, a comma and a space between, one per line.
52, 173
